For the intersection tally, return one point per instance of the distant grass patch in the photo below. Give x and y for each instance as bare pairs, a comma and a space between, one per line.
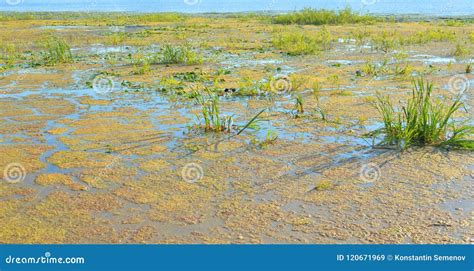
9, 56
110, 18
172, 54
309, 16
210, 115
460, 50
422, 120
294, 43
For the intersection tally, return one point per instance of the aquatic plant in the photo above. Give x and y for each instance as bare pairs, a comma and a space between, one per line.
299, 106
9, 56
375, 69
309, 16
452, 22
422, 120
172, 54
270, 138
294, 43
385, 42
459, 50
116, 38
404, 71
210, 115
247, 87
389, 41
141, 65
370, 68
468, 68
323, 185
57, 51
192, 76
111, 18
316, 95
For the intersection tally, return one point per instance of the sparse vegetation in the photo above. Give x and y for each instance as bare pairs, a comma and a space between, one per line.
316, 94
172, 54
422, 120
323, 185
299, 105
57, 51
311, 16
300, 43
9, 56
211, 119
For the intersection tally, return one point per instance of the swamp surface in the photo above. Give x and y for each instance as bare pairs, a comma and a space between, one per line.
109, 149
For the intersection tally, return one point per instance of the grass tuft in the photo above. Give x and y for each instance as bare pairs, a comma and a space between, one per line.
210, 119
423, 120
9, 56
294, 43
57, 51
309, 16
180, 55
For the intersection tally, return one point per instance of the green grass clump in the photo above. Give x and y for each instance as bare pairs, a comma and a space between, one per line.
423, 120
210, 119
180, 55
309, 16
270, 138
460, 50
8, 57
468, 68
294, 43
94, 18
57, 51
299, 104
324, 185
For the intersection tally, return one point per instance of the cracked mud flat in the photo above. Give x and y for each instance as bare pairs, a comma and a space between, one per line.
108, 167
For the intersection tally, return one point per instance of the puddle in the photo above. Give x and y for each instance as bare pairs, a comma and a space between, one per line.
430, 59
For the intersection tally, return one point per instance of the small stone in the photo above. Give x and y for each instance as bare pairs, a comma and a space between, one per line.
241, 237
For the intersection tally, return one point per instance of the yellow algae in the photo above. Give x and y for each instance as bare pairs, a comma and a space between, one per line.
154, 165
55, 179
81, 159
136, 193
57, 131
